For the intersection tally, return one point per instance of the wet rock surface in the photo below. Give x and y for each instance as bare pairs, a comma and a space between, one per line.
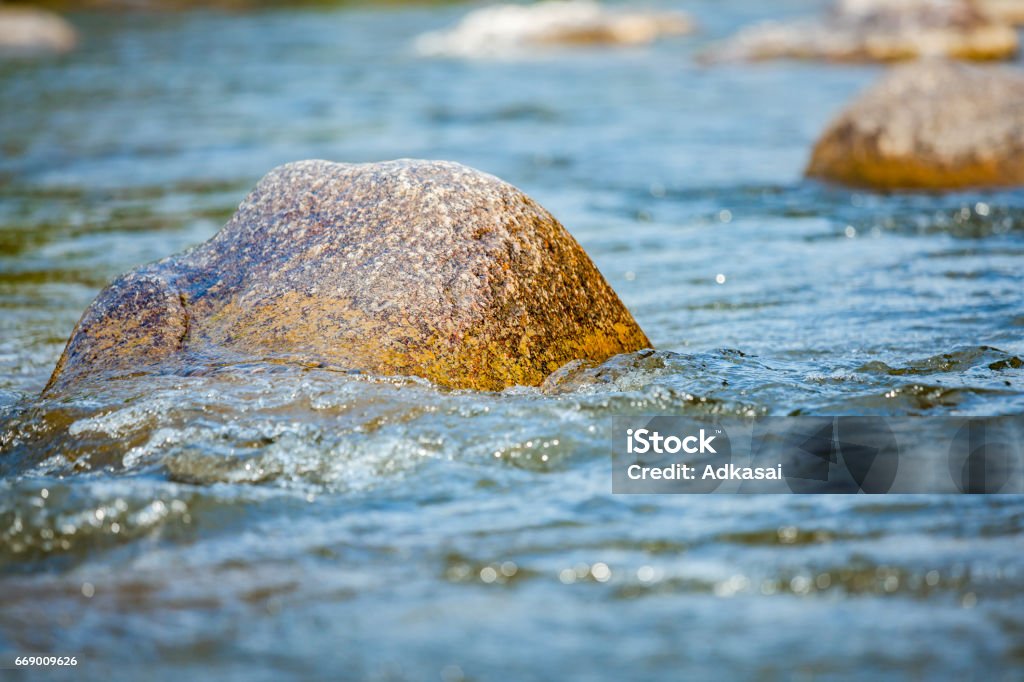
420, 268
27, 31
501, 29
929, 125
878, 30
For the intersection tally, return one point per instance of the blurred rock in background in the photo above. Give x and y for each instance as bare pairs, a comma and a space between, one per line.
501, 29
882, 30
1009, 11
934, 125
28, 31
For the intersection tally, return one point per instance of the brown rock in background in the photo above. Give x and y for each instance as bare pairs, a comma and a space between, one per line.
27, 31
929, 125
406, 267
508, 28
877, 30
1007, 11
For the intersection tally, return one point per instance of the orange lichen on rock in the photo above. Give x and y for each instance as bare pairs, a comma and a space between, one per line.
929, 125
406, 267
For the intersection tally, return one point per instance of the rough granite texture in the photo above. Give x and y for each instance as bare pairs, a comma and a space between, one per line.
27, 31
929, 125
424, 268
877, 30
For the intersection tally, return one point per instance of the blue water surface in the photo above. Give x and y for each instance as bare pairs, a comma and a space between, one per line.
264, 522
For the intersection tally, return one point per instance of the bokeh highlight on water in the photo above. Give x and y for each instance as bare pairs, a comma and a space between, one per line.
258, 520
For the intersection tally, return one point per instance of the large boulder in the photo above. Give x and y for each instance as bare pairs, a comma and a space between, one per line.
423, 268
504, 29
929, 125
877, 30
27, 31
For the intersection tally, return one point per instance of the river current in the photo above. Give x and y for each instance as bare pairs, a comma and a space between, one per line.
256, 520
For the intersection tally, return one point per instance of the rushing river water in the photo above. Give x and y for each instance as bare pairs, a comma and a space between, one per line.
262, 520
